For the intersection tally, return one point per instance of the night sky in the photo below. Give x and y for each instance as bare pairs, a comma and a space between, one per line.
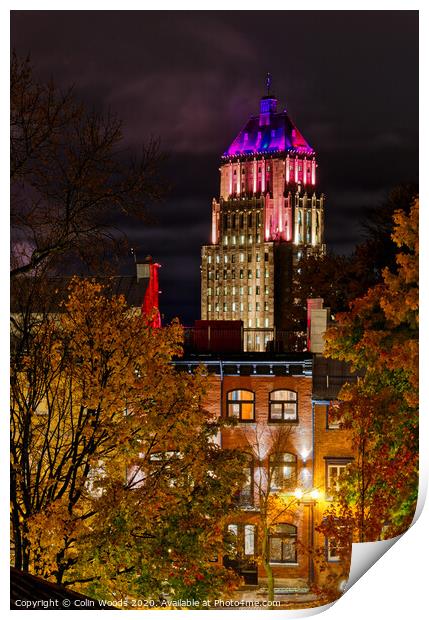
349, 81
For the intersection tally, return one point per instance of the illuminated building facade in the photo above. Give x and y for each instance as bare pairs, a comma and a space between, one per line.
267, 217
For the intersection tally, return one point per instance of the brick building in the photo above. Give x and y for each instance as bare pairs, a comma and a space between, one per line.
278, 408
267, 217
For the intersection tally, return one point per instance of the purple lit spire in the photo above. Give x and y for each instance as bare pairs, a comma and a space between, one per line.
269, 132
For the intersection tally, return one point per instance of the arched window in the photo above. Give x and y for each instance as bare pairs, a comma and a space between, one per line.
283, 471
241, 405
283, 406
283, 544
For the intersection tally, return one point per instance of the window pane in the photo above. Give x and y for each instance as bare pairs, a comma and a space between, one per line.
233, 410
249, 540
247, 411
276, 411
289, 550
289, 411
276, 549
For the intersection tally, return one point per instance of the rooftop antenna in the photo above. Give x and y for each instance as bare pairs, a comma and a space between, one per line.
268, 83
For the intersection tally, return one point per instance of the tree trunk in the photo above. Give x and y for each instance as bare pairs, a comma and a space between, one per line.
267, 566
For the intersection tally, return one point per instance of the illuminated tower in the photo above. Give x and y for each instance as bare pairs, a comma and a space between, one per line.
267, 217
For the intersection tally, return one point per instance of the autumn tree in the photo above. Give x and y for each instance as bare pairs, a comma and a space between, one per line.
72, 182
117, 484
379, 337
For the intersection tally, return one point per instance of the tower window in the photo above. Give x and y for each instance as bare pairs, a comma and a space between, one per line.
257, 290
241, 257
249, 274
249, 220
241, 274
258, 273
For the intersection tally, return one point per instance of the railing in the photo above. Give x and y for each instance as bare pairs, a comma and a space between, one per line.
228, 340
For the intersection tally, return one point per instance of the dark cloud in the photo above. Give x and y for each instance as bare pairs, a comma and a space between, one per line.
349, 79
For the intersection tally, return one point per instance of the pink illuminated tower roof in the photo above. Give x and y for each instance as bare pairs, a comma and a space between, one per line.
268, 132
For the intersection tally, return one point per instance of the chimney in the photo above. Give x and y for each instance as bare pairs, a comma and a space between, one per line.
317, 323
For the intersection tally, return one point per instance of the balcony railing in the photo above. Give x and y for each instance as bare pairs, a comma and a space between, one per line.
228, 340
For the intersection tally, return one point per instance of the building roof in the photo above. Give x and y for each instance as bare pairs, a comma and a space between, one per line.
269, 132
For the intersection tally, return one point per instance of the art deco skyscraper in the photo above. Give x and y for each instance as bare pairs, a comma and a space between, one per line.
267, 217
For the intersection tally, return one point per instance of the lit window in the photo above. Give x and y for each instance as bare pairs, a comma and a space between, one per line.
209, 307
335, 469
283, 544
258, 257
257, 290
283, 471
241, 306
250, 290
209, 291
225, 240
241, 257
241, 405
257, 325
266, 306
225, 307
225, 258
266, 290
241, 290
283, 406
258, 238
242, 537
241, 274
266, 322
233, 290
250, 308
217, 258
250, 239
267, 273
258, 274
209, 259
250, 323
333, 418
333, 550
233, 240
241, 239
249, 274
257, 308
234, 306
